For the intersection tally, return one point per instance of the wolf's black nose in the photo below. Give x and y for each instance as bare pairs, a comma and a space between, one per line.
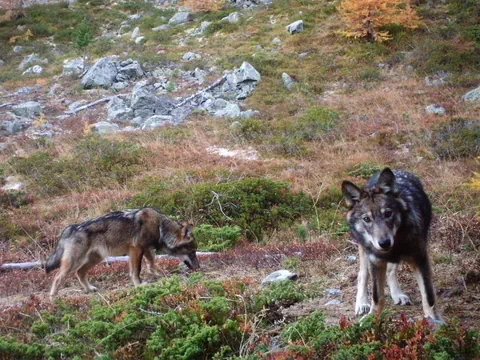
385, 244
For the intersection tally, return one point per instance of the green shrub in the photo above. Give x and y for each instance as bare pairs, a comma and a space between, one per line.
458, 138
107, 162
281, 294
255, 205
253, 129
365, 171
316, 124
210, 238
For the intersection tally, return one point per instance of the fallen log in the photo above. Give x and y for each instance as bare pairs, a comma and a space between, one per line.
111, 259
89, 105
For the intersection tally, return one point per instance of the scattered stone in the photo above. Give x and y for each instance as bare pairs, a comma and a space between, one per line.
3, 146
140, 40
295, 27
2, 63
334, 302
13, 183
124, 28
27, 90
277, 41
104, 128
129, 70
200, 75
191, 56
280, 275
436, 110
247, 4
135, 17
30, 60
334, 292
18, 49
34, 70
249, 114
235, 125
156, 121
351, 258
180, 18
27, 109
129, 129
54, 89
226, 109
118, 111
135, 33
74, 66
120, 86
102, 74
472, 95
161, 28
288, 81
233, 18
303, 55
247, 73
204, 27
12, 124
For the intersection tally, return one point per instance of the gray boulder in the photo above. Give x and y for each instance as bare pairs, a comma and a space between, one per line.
277, 41
191, 56
54, 90
2, 63
34, 70
27, 90
118, 111
102, 74
12, 124
472, 95
18, 49
161, 28
30, 60
27, 109
296, 27
105, 128
13, 184
135, 33
288, 81
233, 18
180, 18
140, 40
74, 66
145, 103
280, 275
247, 73
223, 108
120, 85
129, 70
156, 121
436, 110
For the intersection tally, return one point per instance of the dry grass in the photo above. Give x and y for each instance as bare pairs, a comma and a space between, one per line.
204, 5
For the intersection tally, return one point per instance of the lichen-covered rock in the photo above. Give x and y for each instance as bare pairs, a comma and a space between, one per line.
102, 74
180, 18
296, 27
27, 109
280, 275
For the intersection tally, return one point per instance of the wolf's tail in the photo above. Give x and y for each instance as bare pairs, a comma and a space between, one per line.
54, 260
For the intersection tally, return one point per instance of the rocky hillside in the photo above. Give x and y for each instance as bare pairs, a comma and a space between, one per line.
242, 116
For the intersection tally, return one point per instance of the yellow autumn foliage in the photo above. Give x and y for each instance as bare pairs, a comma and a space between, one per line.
366, 18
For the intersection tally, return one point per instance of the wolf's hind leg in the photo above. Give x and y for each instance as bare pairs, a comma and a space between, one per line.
93, 259
65, 267
423, 273
136, 255
362, 306
398, 296
151, 267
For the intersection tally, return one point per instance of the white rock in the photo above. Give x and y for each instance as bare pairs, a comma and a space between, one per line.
295, 27
288, 81
435, 109
180, 18
27, 109
140, 40
34, 70
191, 56
156, 121
135, 33
73, 66
280, 275
105, 128
233, 18
472, 95
13, 184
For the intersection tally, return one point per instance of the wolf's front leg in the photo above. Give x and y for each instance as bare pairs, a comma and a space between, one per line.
398, 296
378, 272
135, 263
362, 306
151, 267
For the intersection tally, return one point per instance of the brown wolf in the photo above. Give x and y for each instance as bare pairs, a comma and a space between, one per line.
132, 232
390, 219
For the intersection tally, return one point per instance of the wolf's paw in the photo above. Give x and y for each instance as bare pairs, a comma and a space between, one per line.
401, 299
362, 309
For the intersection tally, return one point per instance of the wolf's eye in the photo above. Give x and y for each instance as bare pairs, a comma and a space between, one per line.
387, 213
366, 219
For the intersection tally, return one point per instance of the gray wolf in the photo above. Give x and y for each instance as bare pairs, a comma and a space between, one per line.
389, 219
132, 232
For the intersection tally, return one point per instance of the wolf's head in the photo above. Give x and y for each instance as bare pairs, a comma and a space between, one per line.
376, 212
178, 240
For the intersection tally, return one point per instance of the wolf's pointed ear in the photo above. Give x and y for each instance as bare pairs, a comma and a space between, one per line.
386, 181
351, 193
187, 230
